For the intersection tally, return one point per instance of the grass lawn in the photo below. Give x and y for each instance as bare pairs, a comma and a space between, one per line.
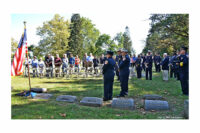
27, 108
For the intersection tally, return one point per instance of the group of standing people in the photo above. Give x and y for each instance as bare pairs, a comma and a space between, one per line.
121, 66
178, 64
50, 62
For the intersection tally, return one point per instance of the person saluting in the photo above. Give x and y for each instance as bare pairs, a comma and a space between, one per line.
124, 73
108, 76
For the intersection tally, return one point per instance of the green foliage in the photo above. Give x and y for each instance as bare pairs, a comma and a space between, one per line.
119, 38
27, 108
14, 45
168, 33
90, 35
76, 38
105, 43
127, 43
54, 36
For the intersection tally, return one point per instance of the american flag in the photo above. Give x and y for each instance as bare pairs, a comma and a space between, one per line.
17, 65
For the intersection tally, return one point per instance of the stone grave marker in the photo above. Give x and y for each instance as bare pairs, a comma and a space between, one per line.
66, 98
186, 109
123, 103
43, 96
92, 101
156, 105
152, 97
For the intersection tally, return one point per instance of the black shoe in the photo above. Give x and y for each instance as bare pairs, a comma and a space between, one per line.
126, 94
110, 98
105, 99
120, 95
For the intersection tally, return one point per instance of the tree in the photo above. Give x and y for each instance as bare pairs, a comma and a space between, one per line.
127, 40
168, 33
54, 36
76, 39
105, 43
120, 39
14, 45
90, 35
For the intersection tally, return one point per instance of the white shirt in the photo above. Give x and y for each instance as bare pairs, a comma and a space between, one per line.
41, 64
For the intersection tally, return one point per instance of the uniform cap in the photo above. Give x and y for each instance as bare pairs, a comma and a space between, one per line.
109, 52
184, 48
124, 50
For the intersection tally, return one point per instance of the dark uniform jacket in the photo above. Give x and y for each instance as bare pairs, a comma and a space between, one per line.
124, 65
149, 61
138, 62
95, 62
102, 60
184, 69
157, 60
165, 63
108, 69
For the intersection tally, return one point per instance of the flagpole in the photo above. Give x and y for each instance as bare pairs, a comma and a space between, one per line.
28, 62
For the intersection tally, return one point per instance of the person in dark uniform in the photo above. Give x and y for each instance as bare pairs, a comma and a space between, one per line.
157, 61
172, 65
138, 64
108, 75
118, 60
102, 59
143, 62
177, 66
124, 73
184, 70
148, 65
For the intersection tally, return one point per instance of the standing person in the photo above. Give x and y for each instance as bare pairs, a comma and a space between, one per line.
157, 61
124, 73
71, 61
108, 76
131, 60
85, 62
118, 60
77, 62
64, 64
28, 62
102, 59
165, 66
35, 66
134, 58
177, 65
90, 60
49, 65
172, 64
41, 66
148, 65
58, 63
138, 65
96, 63
143, 61
184, 70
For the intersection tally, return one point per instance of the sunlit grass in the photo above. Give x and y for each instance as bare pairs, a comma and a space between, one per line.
26, 108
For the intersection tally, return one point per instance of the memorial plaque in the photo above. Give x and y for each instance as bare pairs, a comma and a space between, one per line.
43, 96
92, 101
156, 105
123, 103
152, 97
186, 109
66, 98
